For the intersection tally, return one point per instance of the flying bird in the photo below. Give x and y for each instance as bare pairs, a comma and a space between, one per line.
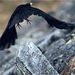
22, 12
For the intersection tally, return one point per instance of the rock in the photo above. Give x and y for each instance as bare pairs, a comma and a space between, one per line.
57, 34
59, 53
70, 67
31, 58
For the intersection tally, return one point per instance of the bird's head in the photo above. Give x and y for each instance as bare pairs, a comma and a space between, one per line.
28, 4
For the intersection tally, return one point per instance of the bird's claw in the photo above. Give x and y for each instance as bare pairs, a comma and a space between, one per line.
28, 21
18, 25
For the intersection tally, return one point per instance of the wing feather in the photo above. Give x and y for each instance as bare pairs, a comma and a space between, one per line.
25, 13
18, 16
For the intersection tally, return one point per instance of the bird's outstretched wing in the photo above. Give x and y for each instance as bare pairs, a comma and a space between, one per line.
25, 13
51, 20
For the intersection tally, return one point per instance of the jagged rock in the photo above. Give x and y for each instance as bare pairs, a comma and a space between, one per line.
70, 67
49, 39
59, 53
31, 58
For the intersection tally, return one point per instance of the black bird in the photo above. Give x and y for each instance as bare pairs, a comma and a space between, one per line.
23, 12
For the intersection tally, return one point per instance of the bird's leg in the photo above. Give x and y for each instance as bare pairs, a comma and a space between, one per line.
18, 25
28, 21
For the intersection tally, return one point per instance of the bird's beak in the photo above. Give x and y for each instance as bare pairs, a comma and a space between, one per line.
31, 4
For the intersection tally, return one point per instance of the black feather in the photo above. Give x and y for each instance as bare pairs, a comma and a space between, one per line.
8, 38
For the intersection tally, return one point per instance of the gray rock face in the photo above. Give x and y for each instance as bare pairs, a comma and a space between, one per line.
35, 61
59, 53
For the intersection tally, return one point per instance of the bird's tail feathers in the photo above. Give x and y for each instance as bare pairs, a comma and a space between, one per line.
8, 38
